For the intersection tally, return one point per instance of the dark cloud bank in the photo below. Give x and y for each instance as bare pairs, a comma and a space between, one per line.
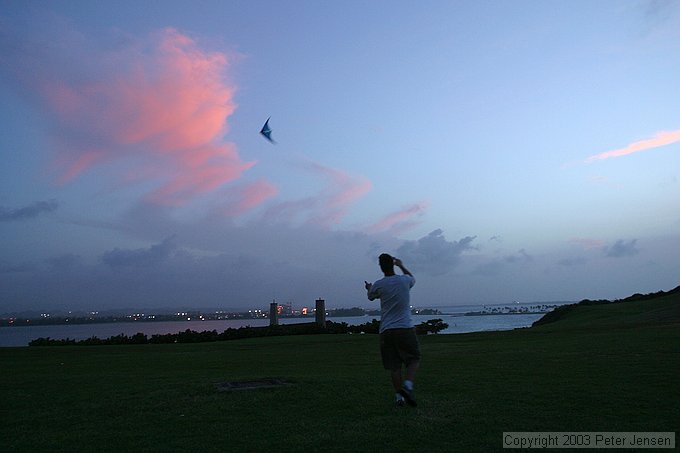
27, 212
297, 265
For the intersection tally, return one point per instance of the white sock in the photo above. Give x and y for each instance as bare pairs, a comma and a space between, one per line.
408, 385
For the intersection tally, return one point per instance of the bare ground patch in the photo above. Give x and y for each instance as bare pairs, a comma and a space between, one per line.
252, 384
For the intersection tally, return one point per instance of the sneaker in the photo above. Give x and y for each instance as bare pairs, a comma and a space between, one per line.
400, 403
408, 396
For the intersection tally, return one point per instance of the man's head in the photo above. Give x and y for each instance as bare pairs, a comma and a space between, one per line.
386, 264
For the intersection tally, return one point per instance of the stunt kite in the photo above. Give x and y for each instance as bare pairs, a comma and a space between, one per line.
266, 131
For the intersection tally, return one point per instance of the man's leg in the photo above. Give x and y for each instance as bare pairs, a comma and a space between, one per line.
412, 369
396, 379
397, 383
410, 353
392, 363
407, 386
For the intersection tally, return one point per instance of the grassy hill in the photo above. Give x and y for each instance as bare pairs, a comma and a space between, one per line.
637, 310
601, 367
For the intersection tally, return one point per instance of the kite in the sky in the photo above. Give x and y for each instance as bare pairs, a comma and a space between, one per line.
266, 131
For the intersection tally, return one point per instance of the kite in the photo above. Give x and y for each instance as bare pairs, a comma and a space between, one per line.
266, 131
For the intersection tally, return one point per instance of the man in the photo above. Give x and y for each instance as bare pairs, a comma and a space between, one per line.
398, 342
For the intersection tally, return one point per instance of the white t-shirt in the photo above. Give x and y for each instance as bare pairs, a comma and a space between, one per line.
395, 308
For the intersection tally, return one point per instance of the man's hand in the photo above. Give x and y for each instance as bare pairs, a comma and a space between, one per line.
400, 265
368, 285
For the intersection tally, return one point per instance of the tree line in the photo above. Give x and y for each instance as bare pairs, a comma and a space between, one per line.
191, 336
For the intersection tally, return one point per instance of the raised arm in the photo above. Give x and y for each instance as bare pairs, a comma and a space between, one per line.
400, 265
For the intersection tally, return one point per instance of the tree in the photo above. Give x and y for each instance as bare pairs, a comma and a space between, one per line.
431, 326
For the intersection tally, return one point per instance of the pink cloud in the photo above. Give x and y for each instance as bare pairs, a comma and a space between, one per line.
205, 170
160, 102
342, 190
327, 208
178, 100
662, 138
248, 197
71, 168
256, 193
399, 221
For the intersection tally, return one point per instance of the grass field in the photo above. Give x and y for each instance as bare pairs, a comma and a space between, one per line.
594, 370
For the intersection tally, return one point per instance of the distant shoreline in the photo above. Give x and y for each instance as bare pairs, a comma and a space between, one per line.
25, 334
157, 319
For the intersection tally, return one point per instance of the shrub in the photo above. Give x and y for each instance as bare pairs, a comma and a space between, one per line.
431, 326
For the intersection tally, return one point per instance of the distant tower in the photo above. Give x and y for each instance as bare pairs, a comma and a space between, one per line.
321, 312
273, 314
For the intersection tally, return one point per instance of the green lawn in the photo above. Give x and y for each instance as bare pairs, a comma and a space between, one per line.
594, 375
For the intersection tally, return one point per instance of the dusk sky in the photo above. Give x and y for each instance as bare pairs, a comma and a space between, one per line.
504, 150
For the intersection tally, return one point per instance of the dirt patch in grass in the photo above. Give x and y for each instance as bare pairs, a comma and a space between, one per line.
251, 384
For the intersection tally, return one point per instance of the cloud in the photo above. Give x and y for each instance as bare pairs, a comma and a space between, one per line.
660, 17
662, 138
152, 112
587, 243
520, 257
490, 269
218, 265
158, 104
399, 221
496, 266
27, 212
433, 254
343, 189
326, 208
569, 262
222, 264
65, 261
247, 196
621, 249
151, 256
658, 9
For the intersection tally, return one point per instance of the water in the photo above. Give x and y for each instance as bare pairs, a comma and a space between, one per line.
453, 316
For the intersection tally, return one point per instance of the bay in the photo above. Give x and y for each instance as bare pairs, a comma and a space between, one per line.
454, 316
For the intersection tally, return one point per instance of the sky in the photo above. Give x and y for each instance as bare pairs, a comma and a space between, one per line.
504, 150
